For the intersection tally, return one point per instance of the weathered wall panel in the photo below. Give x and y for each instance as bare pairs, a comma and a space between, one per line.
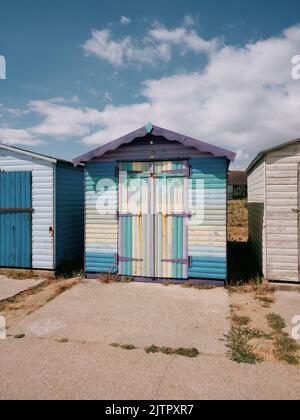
282, 231
42, 202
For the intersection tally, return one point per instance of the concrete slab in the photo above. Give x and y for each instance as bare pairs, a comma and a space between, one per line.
40, 369
137, 313
11, 287
288, 306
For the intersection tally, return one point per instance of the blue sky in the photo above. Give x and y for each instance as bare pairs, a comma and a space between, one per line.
80, 73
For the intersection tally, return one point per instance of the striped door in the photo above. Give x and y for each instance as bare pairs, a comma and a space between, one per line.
171, 212
15, 219
152, 220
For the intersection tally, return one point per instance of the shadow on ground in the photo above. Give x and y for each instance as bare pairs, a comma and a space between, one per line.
242, 265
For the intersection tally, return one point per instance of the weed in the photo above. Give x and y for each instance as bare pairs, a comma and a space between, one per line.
276, 322
240, 350
123, 346
115, 345
128, 347
241, 320
62, 340
198, 286
19, 336
286, 349
186, 352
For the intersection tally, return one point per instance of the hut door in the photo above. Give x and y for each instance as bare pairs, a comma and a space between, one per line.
170, 220
152, 219
15, 219
135, 220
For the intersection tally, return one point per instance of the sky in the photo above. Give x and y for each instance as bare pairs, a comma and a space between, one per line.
83, 73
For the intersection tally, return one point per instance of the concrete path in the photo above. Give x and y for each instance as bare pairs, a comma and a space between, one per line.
35, 368
11, 287
288, 306
92, 316
138, 314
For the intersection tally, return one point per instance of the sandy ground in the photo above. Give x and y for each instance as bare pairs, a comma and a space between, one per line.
66, 352
10, 287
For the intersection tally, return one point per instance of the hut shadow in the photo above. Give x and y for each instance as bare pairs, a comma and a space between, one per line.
242, 265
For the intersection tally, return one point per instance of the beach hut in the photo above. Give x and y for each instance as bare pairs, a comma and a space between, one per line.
41, 210
155, 207
274, 208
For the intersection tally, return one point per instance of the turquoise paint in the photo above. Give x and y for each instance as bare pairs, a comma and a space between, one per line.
149, 128
100, 263
69, 214
15, 228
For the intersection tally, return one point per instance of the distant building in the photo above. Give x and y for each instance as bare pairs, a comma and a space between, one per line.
237, 185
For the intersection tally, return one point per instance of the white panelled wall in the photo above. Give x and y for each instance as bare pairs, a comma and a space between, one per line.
42, 203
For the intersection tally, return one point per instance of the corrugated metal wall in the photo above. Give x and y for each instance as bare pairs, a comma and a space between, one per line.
42, 202
69, 213
15, 226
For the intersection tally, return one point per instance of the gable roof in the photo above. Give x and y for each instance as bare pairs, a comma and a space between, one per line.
33, 154
156, 132
261, 154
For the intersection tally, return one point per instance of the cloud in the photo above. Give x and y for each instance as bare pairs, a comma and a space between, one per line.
187, 40
243, 99
156, 46
61, 120
11, 137
125, 20
189, 20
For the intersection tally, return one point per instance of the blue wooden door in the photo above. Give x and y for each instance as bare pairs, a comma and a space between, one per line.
15, 219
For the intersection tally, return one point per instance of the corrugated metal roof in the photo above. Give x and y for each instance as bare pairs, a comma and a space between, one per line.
155, 131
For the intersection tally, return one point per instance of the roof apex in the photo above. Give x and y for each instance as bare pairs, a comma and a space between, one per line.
157, 132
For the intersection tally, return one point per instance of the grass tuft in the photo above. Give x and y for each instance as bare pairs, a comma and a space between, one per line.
276, 322
240, 321
286, 349
240, 350
186, 352
123, 346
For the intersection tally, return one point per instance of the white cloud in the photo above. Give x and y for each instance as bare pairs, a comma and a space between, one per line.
186, 39
244, 99
63, 121
102, 46
155, 47
11, 137
189, 20
125, 20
